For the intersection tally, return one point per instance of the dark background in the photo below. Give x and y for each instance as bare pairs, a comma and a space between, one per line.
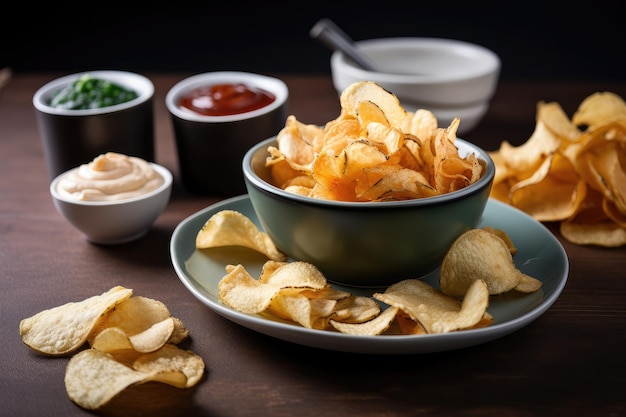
535, 40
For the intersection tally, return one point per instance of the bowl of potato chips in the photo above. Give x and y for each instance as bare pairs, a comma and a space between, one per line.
451, 78
376, 195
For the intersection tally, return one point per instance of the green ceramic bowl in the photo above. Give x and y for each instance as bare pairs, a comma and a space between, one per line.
365, 244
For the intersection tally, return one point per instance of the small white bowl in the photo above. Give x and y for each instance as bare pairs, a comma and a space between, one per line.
449, 77
118, 221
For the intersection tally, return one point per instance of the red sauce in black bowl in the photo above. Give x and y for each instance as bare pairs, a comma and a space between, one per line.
226, 99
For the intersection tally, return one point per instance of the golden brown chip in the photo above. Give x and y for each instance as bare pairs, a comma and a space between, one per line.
387, 102
435, 311
355, 309
479, 255
407, 325
64, 329
376, 326
372, 134
607, 234
311, 313
242, 292
556, 174
599, 108
294, 275
232, 228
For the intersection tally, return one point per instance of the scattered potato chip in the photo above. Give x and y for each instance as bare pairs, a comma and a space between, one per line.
93, 377
231, 228
556, 174
132, 341
435, 311
64, 329
171, 358
374, 151
479, 254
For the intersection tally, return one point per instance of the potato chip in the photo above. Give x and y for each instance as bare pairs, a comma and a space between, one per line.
558, 172
308, 312
293, 275
355, 309
480, 255
296, 141
388, 103
93, 378
554, 192
504, 236
407, 325
373, 132
64, 329
242, 292
607, 233
376, 326
435, 311
393, 183
139, 323
171, 358
136, 314
599, 108
422, 124
232, 228
113, 339
121, 329
369, 112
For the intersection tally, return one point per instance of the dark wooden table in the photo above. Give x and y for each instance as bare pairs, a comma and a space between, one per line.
569, 362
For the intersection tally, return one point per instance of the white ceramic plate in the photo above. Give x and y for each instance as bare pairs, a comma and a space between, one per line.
539, 254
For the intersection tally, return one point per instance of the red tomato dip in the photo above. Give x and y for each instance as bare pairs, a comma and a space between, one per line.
226, 99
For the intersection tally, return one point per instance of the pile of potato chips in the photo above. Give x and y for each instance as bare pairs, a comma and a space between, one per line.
132, 340
571, 171
374, 151
479, 264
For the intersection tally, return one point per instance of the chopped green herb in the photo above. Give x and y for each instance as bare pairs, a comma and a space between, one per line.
91, 93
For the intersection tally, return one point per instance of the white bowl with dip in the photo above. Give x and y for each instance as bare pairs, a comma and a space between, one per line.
113, 199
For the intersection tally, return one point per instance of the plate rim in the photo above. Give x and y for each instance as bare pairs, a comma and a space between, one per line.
396, 344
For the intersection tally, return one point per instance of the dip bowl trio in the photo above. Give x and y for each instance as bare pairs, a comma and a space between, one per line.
224, 152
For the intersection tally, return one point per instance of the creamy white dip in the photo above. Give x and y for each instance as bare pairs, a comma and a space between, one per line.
110, 176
